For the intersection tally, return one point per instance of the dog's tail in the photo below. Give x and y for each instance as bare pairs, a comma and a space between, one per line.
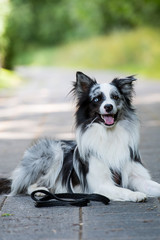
5, 185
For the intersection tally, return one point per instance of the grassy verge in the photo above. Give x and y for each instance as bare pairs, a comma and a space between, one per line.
8, 79
136, 51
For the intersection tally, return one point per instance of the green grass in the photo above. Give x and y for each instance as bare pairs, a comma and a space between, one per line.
8, 79
136, 51
6, 215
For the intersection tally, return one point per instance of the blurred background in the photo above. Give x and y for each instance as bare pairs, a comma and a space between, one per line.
112, 35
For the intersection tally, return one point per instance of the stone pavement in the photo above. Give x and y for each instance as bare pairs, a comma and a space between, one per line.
42, 108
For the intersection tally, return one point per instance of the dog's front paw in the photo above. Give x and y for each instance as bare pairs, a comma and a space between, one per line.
138, 197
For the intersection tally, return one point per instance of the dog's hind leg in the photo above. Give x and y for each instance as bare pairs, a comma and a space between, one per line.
41, 164
34, 187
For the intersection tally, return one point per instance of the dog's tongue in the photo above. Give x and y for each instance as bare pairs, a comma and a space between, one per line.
108, 119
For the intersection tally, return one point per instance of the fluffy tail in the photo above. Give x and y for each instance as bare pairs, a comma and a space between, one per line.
5, 185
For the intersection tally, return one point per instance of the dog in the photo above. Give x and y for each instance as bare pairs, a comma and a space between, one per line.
104, 159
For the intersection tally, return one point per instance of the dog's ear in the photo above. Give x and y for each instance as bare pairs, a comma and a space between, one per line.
125, 86
83, 84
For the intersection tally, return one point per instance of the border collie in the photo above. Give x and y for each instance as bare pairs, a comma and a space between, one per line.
104, 159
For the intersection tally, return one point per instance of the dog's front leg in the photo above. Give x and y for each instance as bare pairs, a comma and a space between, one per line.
119, 194
140, 180
99, 181
149, 187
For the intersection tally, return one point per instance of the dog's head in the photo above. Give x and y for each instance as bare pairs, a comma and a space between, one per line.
105, 103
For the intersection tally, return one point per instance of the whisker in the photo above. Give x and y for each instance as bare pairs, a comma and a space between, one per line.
89, 125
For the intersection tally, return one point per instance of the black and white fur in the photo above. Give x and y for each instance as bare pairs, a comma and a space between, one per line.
104, 158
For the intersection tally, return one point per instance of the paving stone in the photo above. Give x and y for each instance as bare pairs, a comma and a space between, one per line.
121, 220
27, 222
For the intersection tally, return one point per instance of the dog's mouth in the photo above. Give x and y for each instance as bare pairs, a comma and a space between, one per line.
109, 119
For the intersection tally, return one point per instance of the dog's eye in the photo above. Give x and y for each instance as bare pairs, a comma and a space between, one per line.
115, 97
97, 99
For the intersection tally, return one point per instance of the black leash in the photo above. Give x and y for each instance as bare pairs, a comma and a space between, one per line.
66, 199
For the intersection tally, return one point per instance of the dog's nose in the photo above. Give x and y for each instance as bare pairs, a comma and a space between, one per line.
108, 107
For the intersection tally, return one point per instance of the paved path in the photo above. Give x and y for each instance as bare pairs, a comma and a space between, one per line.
42, 108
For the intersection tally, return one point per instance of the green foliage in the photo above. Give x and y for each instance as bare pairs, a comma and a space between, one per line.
134, 51
8, 79
50, 22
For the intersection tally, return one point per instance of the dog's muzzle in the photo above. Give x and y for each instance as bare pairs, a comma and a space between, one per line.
109, 119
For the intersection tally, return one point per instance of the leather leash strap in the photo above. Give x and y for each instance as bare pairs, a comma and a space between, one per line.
66, 199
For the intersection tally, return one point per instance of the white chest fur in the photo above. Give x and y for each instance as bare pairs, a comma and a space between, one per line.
111, 146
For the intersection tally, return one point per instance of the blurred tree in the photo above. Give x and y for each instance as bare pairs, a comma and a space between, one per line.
4, 11
18, 30
48, 22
